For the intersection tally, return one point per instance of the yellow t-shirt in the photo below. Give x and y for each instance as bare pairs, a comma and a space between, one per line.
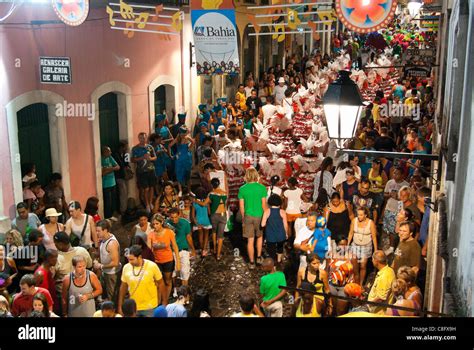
141, 285
376, 112
240, 97
410, 104
382, 288
98, 313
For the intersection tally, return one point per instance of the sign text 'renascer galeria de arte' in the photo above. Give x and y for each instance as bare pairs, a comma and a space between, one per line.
55, 70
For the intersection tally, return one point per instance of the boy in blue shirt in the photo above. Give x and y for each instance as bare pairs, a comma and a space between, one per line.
321, 239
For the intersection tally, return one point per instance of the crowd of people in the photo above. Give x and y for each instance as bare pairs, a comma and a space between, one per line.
359, 234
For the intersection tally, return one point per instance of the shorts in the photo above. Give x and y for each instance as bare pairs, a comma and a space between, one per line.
218, 222
274, 310
197, 227
185, 271
147, 179
251, 227
167, 266
293, 217
109, 285
145, 313
362, 251
275, 248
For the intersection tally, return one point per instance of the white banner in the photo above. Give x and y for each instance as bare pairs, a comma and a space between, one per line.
215, 41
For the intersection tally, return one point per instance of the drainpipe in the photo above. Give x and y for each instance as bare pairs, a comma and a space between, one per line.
181, 46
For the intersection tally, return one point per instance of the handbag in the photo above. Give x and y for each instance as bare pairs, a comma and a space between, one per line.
76, 240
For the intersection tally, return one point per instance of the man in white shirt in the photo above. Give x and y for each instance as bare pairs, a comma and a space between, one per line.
221, 138
288, 103
413, 93
248, 89
65, 255
304, 233
279, 91
269, 110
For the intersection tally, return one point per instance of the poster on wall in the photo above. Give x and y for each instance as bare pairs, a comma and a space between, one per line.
215, 38
55, 70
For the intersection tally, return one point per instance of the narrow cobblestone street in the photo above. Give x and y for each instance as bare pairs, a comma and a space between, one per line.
224, 280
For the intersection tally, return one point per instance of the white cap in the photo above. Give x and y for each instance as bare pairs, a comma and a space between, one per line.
281, 80
221, 128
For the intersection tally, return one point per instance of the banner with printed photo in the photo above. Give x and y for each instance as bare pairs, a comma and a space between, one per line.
215, 40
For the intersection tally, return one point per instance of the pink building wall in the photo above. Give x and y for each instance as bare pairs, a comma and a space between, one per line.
91, 47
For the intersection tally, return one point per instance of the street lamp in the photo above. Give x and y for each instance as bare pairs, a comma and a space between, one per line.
414, 7
342, 105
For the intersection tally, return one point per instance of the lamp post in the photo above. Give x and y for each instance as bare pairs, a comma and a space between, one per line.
342, 105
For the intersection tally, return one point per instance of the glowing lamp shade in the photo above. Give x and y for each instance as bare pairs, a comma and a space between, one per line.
343, 106
414, 7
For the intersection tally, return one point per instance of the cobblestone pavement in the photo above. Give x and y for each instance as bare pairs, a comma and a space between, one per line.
224, 280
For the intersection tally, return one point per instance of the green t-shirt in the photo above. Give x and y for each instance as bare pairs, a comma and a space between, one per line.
109, 179
269, 285
182, 230
252, 194
216, 200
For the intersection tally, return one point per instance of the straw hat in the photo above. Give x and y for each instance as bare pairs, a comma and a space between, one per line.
51, 212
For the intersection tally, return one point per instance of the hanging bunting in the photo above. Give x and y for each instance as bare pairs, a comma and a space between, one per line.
327, 16
279, 32
314, 27
140, 22
293, 20
253, 21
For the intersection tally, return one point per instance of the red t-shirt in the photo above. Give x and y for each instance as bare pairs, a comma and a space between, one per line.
23, 304
49, 284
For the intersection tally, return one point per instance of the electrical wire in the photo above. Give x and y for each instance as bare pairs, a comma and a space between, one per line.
10, 11
48, 22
